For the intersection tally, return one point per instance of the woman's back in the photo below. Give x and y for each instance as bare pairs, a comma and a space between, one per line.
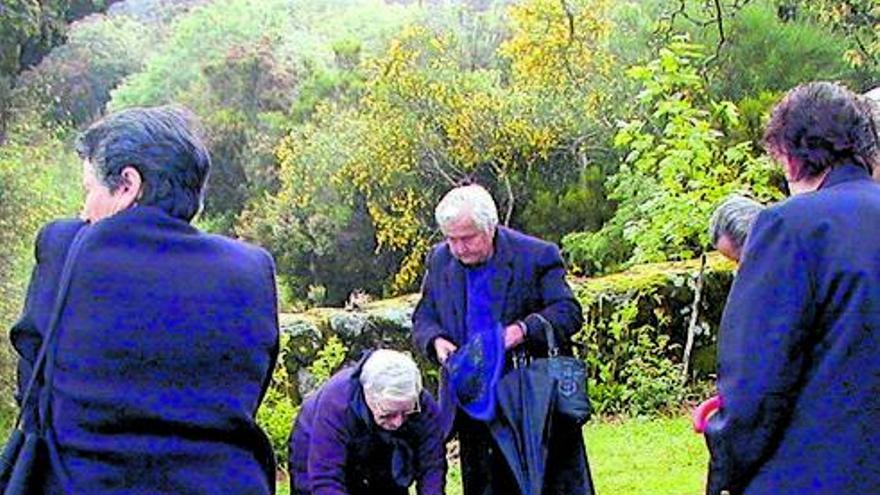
164, 351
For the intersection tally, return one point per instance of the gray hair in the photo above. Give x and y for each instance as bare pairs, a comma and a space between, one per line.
872, 98
734, 218
473, 200
391, 375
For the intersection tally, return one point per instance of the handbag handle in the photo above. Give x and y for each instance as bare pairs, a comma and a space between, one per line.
549, 335
57, 307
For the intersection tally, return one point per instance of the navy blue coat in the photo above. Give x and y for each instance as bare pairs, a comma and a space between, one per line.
531, 275
336, 448
163, 352
799, 350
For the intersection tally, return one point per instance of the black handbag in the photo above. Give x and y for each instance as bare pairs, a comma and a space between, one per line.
23, 463
570, 376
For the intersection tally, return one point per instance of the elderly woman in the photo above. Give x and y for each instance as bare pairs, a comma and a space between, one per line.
167, 336
800, 336
369, 430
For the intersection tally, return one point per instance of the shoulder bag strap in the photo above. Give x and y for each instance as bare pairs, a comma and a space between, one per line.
60, 298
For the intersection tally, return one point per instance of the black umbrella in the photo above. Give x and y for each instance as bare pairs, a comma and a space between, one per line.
521, 429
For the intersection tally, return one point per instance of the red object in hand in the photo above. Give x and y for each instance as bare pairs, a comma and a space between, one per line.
705, 410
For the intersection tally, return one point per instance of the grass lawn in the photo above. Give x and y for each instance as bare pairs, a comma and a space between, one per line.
647, 457
660, 456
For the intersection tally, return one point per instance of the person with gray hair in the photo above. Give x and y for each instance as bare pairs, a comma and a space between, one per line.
491, 291
730, 224
371, 428
798, 372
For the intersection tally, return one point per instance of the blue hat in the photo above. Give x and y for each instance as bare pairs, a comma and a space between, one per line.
474, 370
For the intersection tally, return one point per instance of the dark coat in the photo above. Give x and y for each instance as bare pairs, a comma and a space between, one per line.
799, 350
336, 448
531, 275
163, 352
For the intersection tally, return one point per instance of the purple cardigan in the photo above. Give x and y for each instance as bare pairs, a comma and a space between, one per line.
162, 355
336, 448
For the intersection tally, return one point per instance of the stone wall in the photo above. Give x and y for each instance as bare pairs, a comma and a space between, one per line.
659, 299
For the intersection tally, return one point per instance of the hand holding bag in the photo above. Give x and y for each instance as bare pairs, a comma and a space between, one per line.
24, 457
570, 375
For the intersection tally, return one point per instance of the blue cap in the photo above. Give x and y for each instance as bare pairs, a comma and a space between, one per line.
474, 370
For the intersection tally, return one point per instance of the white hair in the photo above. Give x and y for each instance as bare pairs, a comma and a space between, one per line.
391, 375
473, 200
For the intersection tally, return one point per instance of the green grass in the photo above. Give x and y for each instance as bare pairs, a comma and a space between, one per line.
636, 456
660, 456
647, 457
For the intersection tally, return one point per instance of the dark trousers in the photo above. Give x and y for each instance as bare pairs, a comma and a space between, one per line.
484, 470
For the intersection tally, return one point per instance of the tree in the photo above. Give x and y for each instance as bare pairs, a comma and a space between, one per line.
679, 164
29, 29
71, 85
427, 119
858, 20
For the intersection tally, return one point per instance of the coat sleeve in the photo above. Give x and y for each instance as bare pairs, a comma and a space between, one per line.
426, 318
761, 354
430, 451
327, 450
559, 306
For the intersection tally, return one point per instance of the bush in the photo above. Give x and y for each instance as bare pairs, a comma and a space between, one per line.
38, 182
634, 336
636, 329
278, 411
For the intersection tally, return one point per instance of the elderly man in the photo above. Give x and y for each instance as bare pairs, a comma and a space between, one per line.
370, 429
485, 276
798, 372
730, 224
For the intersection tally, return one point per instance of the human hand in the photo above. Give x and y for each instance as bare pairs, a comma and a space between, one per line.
443, 348
514, 335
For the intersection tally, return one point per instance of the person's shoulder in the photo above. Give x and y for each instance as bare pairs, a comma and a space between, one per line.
817, 206
60, 228
58, 234
439, 253
520, 244
239, 248
521, 238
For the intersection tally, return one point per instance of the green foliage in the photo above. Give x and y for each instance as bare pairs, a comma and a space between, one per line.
28, 31
329, 358
72, 84
636, 326
39, 181
856, 20
423, 120
197, 40
550, 212
679, 163
631, 368
277, 412
597, 252
760, 48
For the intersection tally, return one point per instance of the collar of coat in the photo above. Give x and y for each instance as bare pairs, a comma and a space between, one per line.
845, 173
